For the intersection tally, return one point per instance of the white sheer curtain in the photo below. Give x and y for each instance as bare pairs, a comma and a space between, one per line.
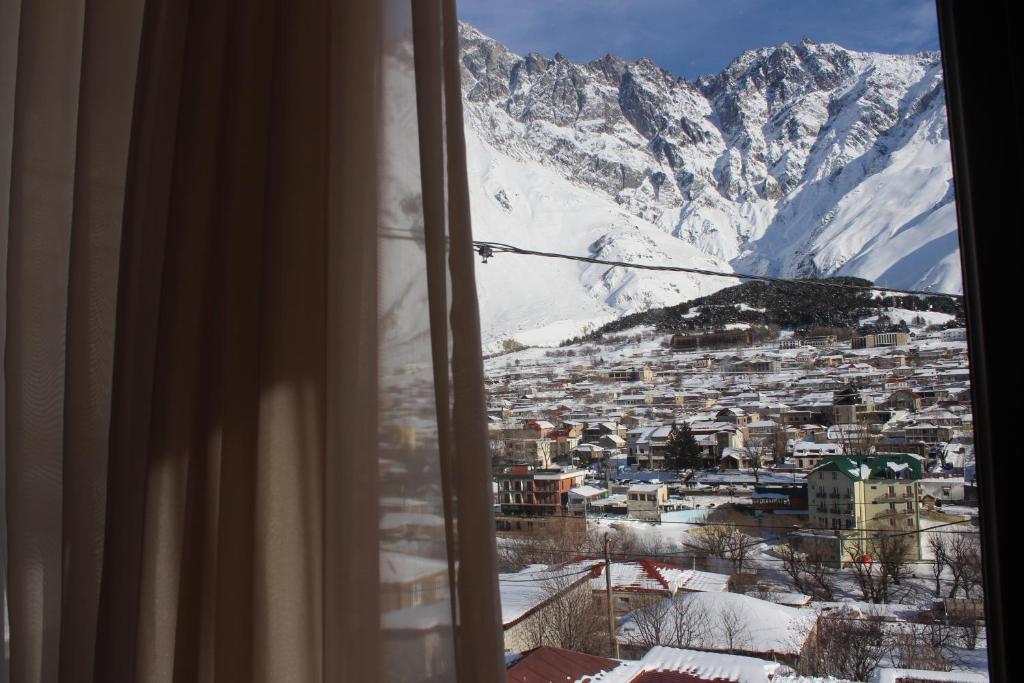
243, 433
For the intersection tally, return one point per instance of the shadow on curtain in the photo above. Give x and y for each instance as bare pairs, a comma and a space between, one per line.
243, 434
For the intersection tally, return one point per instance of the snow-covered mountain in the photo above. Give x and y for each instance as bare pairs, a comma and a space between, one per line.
805, 159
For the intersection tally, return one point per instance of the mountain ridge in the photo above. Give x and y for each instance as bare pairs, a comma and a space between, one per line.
803, 160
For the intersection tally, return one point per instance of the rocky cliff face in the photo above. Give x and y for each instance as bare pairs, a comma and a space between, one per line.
804, 159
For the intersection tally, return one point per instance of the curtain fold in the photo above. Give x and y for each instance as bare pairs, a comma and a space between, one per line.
243, 398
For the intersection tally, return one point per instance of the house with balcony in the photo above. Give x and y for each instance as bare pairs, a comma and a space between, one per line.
646, 445
593, 432
856, 496
528, 491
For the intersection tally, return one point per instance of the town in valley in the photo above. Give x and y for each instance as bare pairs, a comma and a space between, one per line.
791, 502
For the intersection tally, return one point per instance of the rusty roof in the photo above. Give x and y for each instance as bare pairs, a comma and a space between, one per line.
551, 664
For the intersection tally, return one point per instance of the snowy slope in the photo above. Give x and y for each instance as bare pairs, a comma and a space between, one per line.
795, 160
541, 301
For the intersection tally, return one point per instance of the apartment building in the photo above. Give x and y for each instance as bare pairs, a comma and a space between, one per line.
528, 491
856, 496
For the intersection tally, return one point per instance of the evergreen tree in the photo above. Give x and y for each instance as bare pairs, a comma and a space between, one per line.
682, 452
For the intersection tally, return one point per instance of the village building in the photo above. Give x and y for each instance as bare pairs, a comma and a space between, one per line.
528, 491
582, 498
645, 501
856, 496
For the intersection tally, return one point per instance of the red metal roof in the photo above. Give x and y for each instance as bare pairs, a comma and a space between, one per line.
672, 677
651, 569
553, 664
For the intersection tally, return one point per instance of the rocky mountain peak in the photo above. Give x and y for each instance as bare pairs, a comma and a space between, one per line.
793, 160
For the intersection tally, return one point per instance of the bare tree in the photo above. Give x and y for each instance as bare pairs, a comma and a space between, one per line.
845, 645
739, 547
960, 555
725, 541
793, 562
628, 543
858, 438
968, 629
870, 578
893, 552
690, 623
963, 558
821, 575
551, 540
650, 624
758, 450
937, 545
919, 645
886, 564
674, 622
710, 541
560, 538
733, 629
809, 571
571, 619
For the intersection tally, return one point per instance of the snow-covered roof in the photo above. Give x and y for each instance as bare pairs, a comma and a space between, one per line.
524, 590
767, 627
705, 582
587, 491
705, 665
651, 575
645, 488
611, 501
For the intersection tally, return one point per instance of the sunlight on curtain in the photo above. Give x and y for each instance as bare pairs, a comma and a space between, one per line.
243, 404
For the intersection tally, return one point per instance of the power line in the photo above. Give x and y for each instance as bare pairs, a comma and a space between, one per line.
550, 577
755, 562
788, 527
487, 250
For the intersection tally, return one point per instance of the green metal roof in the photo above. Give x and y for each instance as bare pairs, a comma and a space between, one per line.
883, 466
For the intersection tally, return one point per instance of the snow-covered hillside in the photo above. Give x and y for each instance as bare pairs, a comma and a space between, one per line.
541, 301
804, 159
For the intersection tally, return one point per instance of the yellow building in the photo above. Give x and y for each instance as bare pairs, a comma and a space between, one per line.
862, 498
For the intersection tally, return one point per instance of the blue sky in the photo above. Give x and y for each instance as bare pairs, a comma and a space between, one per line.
695, 37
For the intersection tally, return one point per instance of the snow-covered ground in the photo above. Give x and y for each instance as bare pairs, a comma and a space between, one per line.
912, 318
741, 622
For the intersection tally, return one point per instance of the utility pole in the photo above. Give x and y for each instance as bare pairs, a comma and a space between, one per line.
613, 643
